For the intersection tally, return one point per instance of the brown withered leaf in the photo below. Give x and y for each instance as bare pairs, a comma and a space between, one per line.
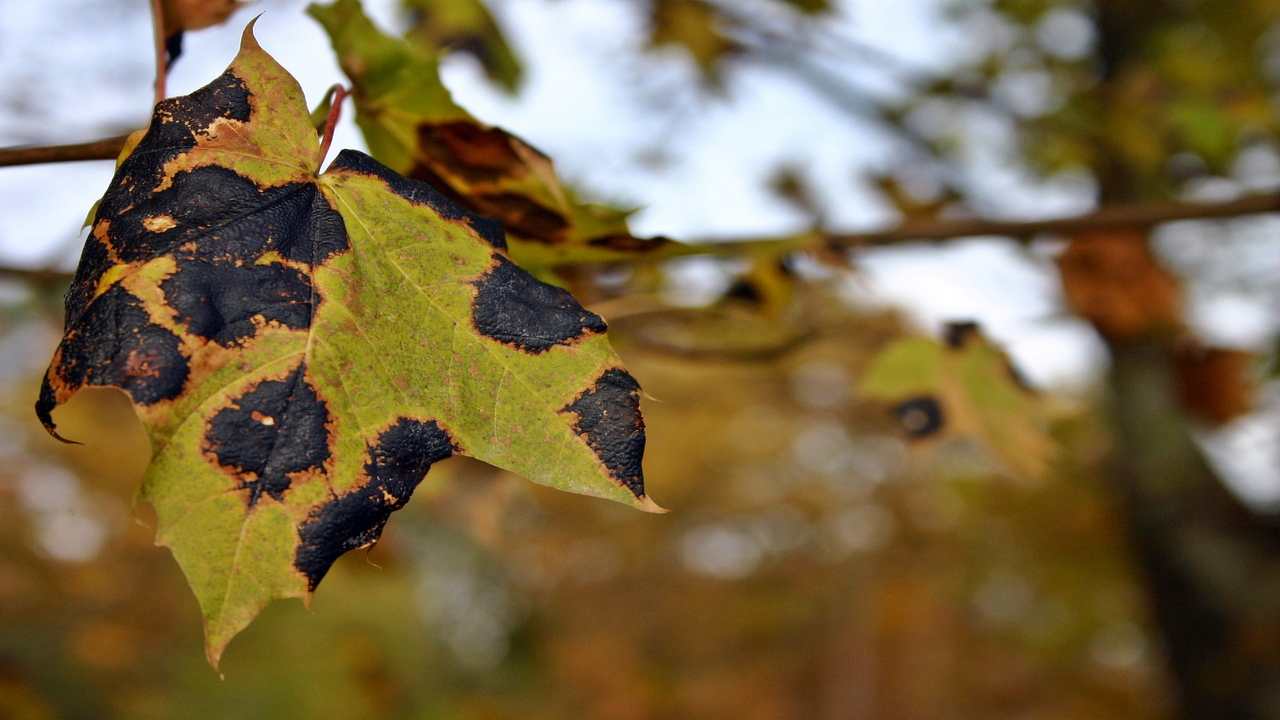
1113, 280
1215, 385
179, 16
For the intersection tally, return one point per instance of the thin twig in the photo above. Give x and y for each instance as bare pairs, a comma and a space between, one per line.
104, 149
162, 55
35, 276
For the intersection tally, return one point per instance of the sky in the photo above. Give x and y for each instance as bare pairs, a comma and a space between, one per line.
604, 114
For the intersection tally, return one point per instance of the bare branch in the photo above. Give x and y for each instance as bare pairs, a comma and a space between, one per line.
1119, 217
161, 53
35, 276
1116, 217
104, 149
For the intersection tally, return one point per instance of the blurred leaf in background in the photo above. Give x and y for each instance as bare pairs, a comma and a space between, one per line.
465, 26
964, 387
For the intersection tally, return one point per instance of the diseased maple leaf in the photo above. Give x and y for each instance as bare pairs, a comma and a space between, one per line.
412, 124
301, 347
966, 387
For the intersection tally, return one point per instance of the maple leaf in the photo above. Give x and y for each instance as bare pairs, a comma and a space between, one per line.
964, 386
411, 123
301, 347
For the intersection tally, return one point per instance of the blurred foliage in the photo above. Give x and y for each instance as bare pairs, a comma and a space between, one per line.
1193, 88
693, 27
465, 26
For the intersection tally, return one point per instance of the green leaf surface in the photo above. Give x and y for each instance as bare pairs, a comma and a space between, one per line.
412, 125
302, 347
963, 387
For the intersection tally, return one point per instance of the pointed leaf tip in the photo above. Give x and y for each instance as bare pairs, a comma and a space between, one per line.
213, 655
647, 504
248, 41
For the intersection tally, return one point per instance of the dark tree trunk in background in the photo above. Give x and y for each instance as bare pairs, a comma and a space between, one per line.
1211, 567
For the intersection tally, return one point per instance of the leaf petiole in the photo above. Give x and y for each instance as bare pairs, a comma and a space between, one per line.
337, 93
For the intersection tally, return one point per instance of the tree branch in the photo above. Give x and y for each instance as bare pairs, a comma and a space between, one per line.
1119, 217
161, 52
104, 149
34, 276
1116, 217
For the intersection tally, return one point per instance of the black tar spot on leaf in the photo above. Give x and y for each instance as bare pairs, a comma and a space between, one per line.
226, 97
920, 417
218, 301
172, 132
515, 308
272, 430
956, 334
609, 419
94, 260
115, 343
226, 216
397, 463
745, 291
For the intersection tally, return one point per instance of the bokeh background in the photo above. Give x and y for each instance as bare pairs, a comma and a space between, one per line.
816, 563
